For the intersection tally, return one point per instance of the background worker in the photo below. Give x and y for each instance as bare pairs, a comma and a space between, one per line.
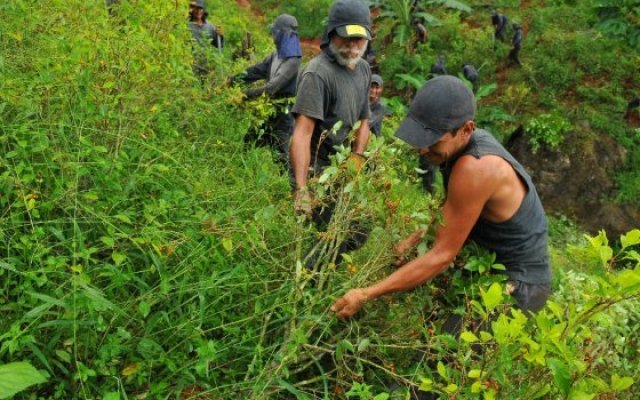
279, 70
438, 67
516, 43
490, 199
205, 37
377, 108
500, 24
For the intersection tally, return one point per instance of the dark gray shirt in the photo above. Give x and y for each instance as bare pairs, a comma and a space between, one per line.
205, 38
280, 74
205, 35
375, 121
328, 93
520, 243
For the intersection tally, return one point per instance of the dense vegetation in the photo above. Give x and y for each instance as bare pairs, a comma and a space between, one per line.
146, 253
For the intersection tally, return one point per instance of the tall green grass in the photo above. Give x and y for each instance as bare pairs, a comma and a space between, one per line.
146, 253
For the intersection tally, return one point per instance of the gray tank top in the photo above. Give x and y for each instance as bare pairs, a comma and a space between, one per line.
520, 243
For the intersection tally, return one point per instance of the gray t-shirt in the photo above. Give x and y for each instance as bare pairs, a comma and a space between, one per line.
205, 38
328, 93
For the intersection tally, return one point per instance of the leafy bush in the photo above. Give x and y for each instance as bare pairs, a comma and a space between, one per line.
546, 129
311, 14
619, 19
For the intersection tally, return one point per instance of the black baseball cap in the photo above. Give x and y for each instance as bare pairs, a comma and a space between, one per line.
443, 104
348, 19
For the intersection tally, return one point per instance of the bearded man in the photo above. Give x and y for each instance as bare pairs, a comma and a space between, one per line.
333, 87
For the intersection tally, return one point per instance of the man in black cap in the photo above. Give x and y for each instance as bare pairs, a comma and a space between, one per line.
516, 43
490, 200
377, 108
205, 37
333, 90
279, 70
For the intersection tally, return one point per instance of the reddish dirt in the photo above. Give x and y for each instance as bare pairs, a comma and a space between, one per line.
310, 47
244, 3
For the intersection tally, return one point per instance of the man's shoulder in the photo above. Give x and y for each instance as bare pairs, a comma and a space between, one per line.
319, 62
477, 175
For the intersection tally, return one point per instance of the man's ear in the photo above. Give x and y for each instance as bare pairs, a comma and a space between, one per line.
469, 127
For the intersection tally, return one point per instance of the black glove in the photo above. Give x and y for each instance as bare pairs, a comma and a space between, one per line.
253, 93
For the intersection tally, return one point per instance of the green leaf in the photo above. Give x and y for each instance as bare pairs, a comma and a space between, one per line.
493, 297
108, 241
469, 337
451, 388
485, 336
144, 308
416, 82
560, 374
499, 267
426, 385
606, 254
111, 396
118, 258
442, 370
628, 278
16, 377
123, 218
343, 346
348, 188
227, 244
364, 343
475, 373
630, 239
541, 392
291, 389
619, 384
580, 395
381, 396
63, 355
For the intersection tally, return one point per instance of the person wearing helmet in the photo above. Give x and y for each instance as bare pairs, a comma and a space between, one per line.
279, 71
490, 199
500, 24
331, 100
205, 36
516, 42
438, 68
377, 108
470, 72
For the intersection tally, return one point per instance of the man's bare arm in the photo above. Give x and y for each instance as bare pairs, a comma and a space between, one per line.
361, 137
470, 187
300, 149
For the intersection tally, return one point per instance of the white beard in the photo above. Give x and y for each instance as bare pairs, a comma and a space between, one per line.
344, 61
